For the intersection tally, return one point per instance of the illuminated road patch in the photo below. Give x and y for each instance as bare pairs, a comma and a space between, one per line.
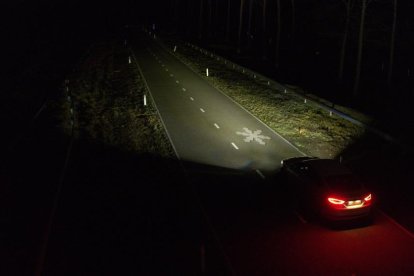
253, 136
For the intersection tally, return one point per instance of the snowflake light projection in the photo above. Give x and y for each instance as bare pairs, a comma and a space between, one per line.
253, 136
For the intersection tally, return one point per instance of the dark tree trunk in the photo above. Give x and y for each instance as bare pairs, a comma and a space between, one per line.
249, 27
228, 20
392, 44
278, 30
240, 26
293, 27
210, 18
264, 22
344, 41
200, 22
360, 48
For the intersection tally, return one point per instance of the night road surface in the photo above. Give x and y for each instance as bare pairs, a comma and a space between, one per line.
262, 233
259, 230
204, 125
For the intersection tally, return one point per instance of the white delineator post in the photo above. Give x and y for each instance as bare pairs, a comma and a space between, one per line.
129, 59
207, 72
145, 100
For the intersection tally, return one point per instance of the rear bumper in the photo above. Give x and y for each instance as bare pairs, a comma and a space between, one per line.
347, 214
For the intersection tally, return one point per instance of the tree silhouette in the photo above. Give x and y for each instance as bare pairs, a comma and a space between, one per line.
278, 31
240, 26
200, 20
348, 6
392, 43
264, 29
364, 4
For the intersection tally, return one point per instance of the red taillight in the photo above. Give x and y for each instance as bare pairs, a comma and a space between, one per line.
336, 201
368, 200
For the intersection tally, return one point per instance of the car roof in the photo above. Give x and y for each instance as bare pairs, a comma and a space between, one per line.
326, 167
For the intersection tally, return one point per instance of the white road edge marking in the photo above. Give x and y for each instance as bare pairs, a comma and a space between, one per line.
234, 145
202, 110
260, 174
300, 217
155, 105
402, 228
268, 127
191, 98
216, 125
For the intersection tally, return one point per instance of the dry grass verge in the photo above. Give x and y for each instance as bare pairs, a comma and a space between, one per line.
107, 93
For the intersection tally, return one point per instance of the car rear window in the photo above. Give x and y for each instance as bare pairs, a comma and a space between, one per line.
343, 182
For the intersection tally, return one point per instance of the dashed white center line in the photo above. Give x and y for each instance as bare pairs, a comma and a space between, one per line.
162, 65
171, 75
216, 125
177, 81
260, 174
235, 146
202, 110
191, 98
166, 69
184, 89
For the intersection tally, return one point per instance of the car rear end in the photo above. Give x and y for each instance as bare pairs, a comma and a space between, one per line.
347, 207
346, 199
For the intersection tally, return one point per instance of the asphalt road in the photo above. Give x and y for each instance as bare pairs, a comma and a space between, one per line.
229, 155
204, 125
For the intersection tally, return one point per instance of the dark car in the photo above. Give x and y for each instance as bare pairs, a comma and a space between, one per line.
328, 188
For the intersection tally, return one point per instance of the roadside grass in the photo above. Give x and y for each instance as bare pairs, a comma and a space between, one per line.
313, 130
107, 94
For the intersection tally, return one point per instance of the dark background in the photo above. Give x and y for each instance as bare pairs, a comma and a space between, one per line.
44, 39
